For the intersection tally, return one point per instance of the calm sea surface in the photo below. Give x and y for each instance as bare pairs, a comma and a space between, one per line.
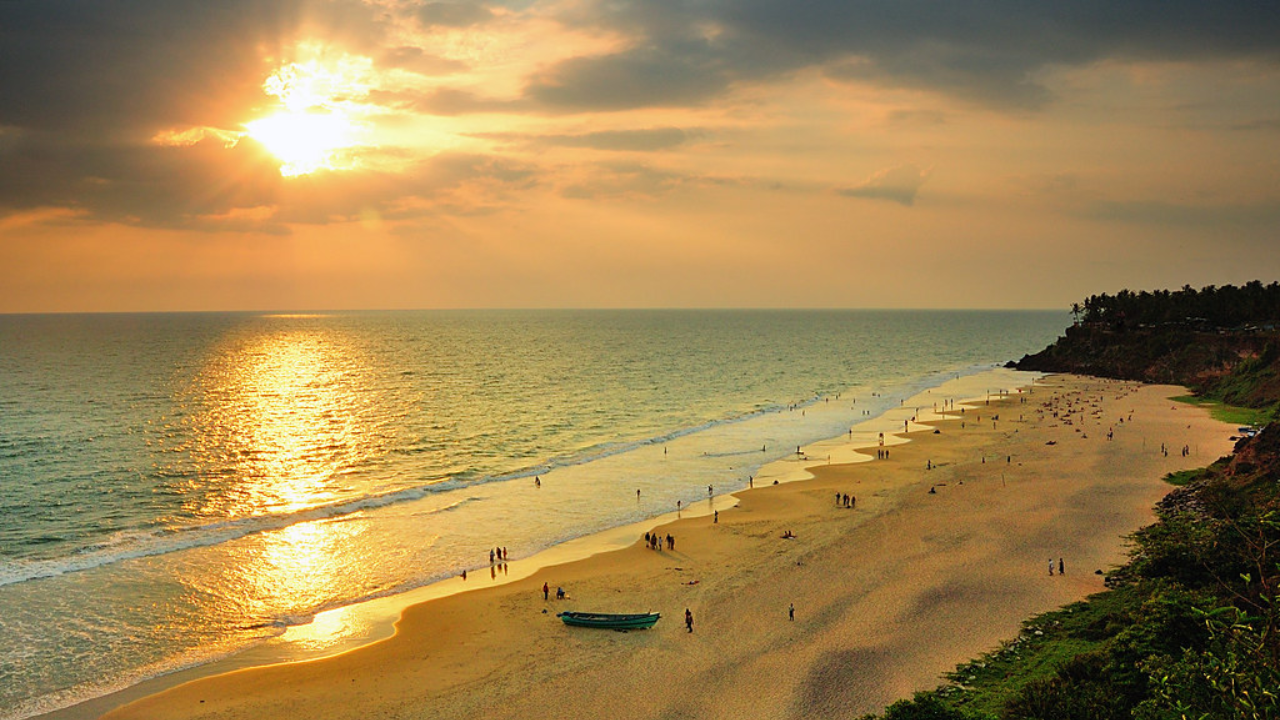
174, 488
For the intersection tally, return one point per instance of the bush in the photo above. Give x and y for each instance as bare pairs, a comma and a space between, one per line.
924, 706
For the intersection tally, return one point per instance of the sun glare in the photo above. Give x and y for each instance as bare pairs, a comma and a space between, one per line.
319, 118
303, 141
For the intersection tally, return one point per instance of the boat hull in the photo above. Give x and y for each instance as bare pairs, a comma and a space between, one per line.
609, 621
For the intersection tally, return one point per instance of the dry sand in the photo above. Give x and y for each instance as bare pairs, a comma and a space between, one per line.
887, 595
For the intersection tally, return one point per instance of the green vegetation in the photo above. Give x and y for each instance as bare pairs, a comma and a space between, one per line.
1184, 477
1190, 628
1242, 416
1223, 343
1226, 307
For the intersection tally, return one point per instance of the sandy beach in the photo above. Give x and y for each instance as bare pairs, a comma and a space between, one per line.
946, 551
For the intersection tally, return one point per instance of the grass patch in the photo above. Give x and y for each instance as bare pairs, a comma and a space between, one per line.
984, 686
1235, 415
1184, 477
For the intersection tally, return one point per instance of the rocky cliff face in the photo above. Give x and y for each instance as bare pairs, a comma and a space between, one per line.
1241, 368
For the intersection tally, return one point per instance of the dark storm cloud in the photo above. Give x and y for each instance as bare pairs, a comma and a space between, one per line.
987, 52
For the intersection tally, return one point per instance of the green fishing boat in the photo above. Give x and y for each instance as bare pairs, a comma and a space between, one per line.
610, 621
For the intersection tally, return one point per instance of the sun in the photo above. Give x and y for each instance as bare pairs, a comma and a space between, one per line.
318, 121
303, 141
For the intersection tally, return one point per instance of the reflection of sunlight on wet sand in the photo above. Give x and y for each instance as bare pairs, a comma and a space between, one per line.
295, 566
328, 629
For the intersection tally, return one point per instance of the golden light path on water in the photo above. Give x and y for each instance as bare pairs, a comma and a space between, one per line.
283, 421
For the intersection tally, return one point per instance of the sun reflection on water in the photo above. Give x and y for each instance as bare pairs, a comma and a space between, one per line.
282, 423
287, 421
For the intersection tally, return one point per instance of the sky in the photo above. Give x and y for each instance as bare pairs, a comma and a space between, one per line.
175, 155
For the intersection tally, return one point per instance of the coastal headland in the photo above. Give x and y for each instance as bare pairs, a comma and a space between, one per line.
954, 539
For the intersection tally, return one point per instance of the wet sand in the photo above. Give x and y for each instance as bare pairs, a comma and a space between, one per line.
888, 595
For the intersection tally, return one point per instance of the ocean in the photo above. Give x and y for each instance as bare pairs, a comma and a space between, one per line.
177, 488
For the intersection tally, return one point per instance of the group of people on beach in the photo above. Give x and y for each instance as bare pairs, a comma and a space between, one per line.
655, 541
848, 500
1062, 567
497, 560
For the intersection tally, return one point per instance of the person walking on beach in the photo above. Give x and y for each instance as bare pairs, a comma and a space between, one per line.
791, 612
1051, 567
688, 619
546, 591
1062, 568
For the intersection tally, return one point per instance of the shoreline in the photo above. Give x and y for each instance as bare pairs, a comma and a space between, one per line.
884, 502
372, 621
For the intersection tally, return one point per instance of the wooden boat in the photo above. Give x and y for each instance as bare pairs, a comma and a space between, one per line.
610, 621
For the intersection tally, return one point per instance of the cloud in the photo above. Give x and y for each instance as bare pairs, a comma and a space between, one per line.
85, 85
452, 14
642, 77
1173, 214
630, 180
452, 101
416, 60
898, 184
139, 184
646, 140
990, 53
105, 69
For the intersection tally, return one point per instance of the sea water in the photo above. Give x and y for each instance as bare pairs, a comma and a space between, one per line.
175, 488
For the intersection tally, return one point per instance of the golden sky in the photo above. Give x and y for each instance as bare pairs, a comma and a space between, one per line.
283, 154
